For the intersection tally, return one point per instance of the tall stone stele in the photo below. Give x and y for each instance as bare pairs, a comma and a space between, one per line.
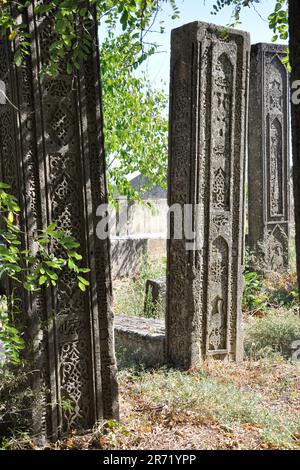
51, 150
209, 86
269, 158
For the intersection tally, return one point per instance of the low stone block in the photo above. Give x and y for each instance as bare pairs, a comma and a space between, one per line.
142, 339
155, 298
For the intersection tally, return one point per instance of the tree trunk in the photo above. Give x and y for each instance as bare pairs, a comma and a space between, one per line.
294, 29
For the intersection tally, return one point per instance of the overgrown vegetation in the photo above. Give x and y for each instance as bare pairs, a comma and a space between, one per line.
212, 399
274, 290
129, 294
15, 401
135, 118
270, 290
11, 340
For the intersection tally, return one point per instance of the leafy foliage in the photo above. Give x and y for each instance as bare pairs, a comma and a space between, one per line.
238, 5
10, 337
282, 289
31, 270
272, 334
73, 22
135, 113
272, 291
135, 118
263, 292
253, 298
278, 20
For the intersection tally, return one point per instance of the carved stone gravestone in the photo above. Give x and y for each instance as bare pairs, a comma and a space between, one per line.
209, 86
155, 298
51, 149
269, 164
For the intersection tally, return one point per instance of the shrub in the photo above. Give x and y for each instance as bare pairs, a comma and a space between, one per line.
266, 289
281, 289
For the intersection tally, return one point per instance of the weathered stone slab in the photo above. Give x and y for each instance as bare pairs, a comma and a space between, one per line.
269, 158
209, 87
2, 92
155, 297
51, 148
141, 339
128, 253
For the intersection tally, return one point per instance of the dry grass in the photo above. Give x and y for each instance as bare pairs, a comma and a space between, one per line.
129, 294
254, 405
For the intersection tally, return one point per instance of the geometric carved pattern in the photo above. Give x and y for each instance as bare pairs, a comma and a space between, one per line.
62, 125
219, 262
219, 190
206, 157
75, 381
62, 180
217, 324
269, 159
276, 190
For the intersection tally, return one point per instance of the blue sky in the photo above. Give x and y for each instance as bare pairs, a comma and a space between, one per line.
255, 22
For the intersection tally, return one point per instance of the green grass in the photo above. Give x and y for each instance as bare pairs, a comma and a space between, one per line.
272, 334
15, 402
